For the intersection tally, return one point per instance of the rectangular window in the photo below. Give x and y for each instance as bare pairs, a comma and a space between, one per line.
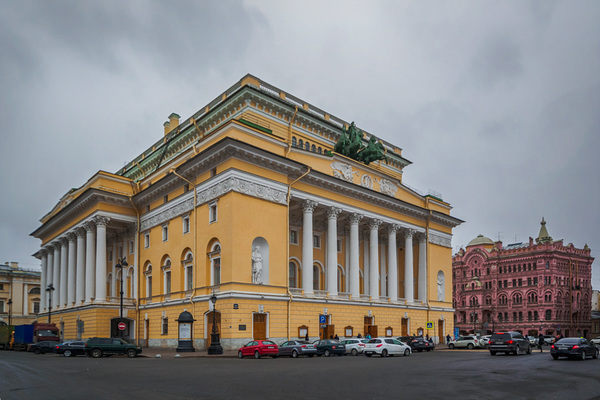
120, 252
131, 246
317, 241
165, 233
212, 212
165, 198
535, 281
165, 326
186, 224
339, 245
146, 240
168, 282
213, 172
1, 286
148, 208
216, 271
36, 307
186, 188
1, 306
190, 278
293, 237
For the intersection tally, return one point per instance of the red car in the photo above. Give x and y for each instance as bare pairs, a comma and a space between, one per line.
259, 348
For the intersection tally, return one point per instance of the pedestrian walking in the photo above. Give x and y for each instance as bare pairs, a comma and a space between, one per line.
541, 342
448, 338
306, 337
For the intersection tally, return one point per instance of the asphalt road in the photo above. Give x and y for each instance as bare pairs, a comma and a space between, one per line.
449, 374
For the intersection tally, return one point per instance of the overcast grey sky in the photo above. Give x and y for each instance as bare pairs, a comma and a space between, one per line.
497, 104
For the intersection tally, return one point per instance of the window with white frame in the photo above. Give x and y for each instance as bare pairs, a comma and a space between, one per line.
147, 240
317, 241
215, 264
148, 274
36, 307
165, 232
131, 248
167, 276
293, 275
188, 265
212, 212
186, 224
165, 326
293, 236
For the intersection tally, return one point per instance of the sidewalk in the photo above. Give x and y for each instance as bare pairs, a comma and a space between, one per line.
154, 352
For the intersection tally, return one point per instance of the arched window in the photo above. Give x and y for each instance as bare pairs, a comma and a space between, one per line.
313, 148
307, 146
148, 275
166, 276
316, 277
499, 317
536, 316
294, 141
320, 150
293, 275
548, 315
35, 290
341, 282
215, 264
188, 271
301, 144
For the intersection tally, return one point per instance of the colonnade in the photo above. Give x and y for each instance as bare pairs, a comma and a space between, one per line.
377, 262
76, 265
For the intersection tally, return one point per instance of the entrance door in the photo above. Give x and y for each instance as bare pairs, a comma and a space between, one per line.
373, 331
209, 325
328, 332
260, 326
146, 332
441, 331
404, 327
368, 323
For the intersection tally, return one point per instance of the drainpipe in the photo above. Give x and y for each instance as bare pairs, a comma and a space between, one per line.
136, 256
287, 249
290, 135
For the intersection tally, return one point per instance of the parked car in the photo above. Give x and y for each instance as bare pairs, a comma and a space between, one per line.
485, 340
596, 340
259, 348
573, 348
419, 344
295, 348
354, 346
532, 340
328, 347
509, 342
386, 346
69, 349
464, 342
548, 340
97, 347
46, 346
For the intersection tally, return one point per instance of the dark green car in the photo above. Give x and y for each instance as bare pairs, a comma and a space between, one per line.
97, 347
329, 347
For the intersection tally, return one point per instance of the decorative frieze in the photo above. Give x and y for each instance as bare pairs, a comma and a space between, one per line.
387, 187
244, 186
440, 240
167, 214
343, 171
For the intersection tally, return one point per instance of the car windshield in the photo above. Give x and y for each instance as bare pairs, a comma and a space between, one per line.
374, 341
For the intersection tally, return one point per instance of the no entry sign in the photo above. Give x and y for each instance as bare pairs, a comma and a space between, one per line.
121, 326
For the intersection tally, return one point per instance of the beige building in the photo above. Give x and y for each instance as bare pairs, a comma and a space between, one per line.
19, 294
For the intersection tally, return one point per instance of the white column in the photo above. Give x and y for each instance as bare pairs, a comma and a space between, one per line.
307, 246
101, 223
135, 261
354, 249
90, 261
50, 269
43, 281
422, 278
25, 299
80, 280
392, 263
71, 269
409, 292
332, 286
366, 268
64, 255
347, 257
382, 269
374, 259
56, 275
113, 270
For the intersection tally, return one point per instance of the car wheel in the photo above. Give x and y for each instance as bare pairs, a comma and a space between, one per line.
451, 346
595, 354
96, 353
583, 355
555, 356
240, 355
131, 353
294, 354
517, 350
384, 353
37, 351
470, 346
67, 353
492, 353
256, 354
354, 352
528, 349
327, 353
406, 352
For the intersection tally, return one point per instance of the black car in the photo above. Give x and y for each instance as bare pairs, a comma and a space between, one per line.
419, 344
295, 348
47, 346
509, 342
328, 347
573, 348
70, 349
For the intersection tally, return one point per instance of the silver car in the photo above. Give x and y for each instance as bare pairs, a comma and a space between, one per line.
354, 346
465, 342
295, 348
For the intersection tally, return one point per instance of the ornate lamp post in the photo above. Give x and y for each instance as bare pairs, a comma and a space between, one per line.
215, 344
122, 263
9, 311
50, 289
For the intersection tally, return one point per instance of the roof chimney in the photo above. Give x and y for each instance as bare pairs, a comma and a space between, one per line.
172, 123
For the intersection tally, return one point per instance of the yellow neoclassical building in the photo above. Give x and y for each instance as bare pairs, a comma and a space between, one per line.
247, 200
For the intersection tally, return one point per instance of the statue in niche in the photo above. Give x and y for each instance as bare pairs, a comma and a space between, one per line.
256, 265
440, 284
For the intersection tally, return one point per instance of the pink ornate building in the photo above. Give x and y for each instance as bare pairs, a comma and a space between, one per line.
540, 286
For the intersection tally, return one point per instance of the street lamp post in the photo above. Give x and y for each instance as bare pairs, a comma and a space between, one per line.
215, 344
50, 289
122, 263
10, 311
